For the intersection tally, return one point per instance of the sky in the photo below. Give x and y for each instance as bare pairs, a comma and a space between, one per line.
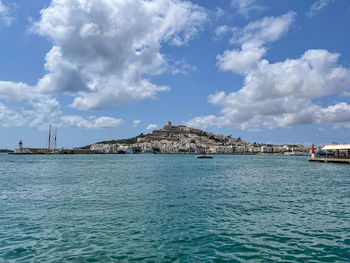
266, 71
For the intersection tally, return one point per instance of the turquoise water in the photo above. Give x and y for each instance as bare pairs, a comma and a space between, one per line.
173, 208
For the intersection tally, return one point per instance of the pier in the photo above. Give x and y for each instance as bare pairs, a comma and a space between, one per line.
329, 160
335, 153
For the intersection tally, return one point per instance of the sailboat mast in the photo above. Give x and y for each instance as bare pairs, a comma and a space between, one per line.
49, 146
55, 137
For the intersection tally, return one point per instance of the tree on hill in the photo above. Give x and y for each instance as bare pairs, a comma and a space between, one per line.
155, 149
138, 149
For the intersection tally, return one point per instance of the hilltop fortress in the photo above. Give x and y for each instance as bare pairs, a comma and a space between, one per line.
172, 133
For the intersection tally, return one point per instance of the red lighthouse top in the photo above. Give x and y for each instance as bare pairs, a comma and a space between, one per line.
313, 148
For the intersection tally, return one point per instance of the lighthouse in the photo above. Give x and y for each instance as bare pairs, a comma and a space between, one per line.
20, 150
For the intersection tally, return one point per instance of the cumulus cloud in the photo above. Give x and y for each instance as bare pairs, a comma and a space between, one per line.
5, 17
317, 6
93, 122
280, 94
38, 110
41, 111
10, 118
244, 7
103, 55
103, 50
240, 61
252, 39
17, 91
152, 127
136, 123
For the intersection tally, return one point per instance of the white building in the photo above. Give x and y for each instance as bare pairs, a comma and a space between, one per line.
20, 148
106, 148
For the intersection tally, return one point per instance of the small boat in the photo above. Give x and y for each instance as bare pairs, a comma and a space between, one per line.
203, 156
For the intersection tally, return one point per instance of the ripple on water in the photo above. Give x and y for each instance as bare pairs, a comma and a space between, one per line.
172, 208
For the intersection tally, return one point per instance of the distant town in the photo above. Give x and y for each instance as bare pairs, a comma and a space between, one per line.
171, 139
181, 139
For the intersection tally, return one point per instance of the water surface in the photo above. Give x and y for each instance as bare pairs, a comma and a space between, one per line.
173, 208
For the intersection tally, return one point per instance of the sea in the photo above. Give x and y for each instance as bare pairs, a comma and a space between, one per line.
173, 208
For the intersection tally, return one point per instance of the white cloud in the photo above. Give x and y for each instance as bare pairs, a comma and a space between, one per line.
240, 60
17, 91
205, 122
280, 94
42, 111
103, 50
252, 38
9, 118
103, 54
181, 67
93, 123
244, 7
265, 30
152, 127
222, 30
38, 109
317, 6
5, 17
136, 123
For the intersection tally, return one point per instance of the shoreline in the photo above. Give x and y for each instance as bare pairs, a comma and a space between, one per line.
214, 154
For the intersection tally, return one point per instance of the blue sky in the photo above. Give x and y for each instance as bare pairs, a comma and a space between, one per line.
266, 71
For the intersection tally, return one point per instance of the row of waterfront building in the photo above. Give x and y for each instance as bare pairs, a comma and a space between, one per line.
181, 147
181, 139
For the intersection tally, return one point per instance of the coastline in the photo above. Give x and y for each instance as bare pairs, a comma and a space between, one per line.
214, 154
